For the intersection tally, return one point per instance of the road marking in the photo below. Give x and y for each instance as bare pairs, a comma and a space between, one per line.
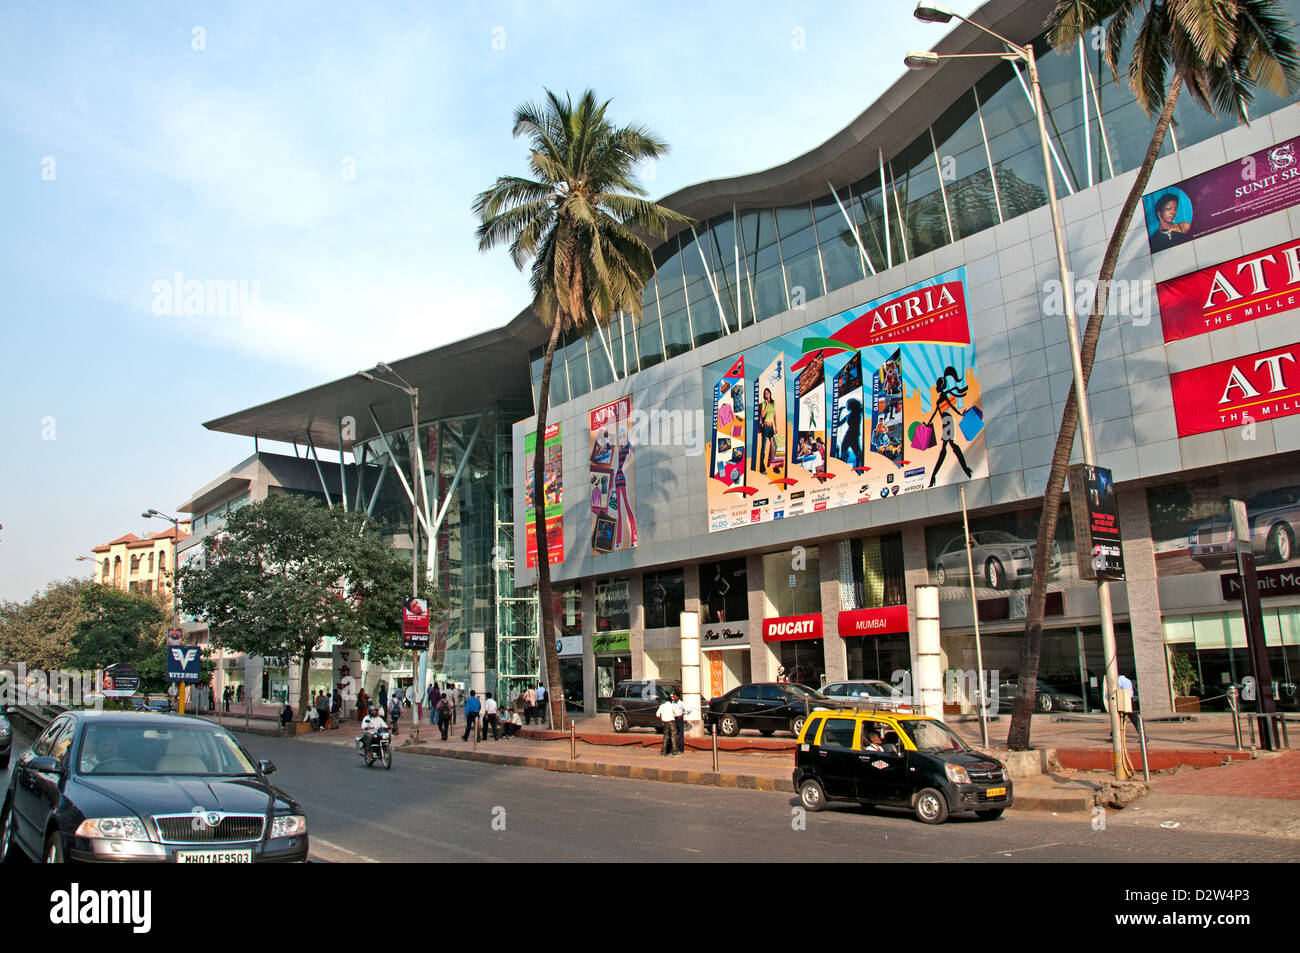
352, 856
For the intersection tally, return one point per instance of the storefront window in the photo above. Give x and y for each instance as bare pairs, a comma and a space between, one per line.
665, 599
610, 670
612, 621
874, 574
804, 661
571, 679
792, 582
724, 591
1001, 554
878, 657
1209, 653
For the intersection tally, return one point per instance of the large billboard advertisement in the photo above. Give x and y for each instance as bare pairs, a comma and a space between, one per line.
1233, 193
1231, 293
613, 483
1237, 392
902, 411
553, 477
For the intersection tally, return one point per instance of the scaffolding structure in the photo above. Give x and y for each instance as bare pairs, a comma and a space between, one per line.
517, 615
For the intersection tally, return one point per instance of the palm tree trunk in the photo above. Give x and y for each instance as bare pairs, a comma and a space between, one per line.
554, 690
1030, 649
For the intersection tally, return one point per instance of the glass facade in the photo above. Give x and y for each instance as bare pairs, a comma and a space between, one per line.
979, 164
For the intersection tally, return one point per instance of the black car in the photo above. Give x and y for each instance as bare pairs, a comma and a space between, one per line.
766, 706
635, 702
123, 786
6, 741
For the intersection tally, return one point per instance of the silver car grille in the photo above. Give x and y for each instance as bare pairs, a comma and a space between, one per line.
198, 828
986, 773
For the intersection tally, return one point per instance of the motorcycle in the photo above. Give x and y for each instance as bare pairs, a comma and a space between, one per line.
380, 749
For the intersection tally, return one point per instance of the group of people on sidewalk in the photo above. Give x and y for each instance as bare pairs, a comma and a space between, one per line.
484, 714
672, 714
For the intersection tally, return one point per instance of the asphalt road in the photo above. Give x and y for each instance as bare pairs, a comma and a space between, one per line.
439, 810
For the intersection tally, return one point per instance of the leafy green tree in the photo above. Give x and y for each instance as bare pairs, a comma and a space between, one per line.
579, 219
40, 631
287, 572
118, 627
1220, 51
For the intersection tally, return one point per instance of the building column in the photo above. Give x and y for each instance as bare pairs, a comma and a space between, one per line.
589, 647
762, 660
636, 625
1152, 675
915, 573
837, 662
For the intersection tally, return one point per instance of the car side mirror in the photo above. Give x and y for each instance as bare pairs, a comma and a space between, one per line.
266, 767
43, 764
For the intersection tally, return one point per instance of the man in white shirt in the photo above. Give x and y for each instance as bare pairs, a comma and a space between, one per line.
667, 715
679, 725
490, 719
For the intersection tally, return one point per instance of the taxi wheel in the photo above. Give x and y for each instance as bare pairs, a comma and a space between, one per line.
54, 849
931, 806
811, 796
990, 815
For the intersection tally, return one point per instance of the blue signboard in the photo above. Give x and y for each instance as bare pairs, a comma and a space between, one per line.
183, 663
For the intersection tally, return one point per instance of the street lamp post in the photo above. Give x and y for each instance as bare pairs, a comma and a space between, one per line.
176, 616
932, 13
414, 394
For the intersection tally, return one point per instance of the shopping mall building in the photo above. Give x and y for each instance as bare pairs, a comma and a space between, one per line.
839, 349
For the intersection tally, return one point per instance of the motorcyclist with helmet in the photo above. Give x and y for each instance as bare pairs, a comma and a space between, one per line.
370, 726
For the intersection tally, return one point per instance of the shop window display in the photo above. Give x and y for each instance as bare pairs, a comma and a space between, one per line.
1208, 654
724, 590
1002, 555
792, 582
664, 594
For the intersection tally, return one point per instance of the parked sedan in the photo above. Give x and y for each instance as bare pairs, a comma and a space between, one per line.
1046, 698
869, 692
999, 559
1273, 516
121, 786
6, 741
766, 706
635, 703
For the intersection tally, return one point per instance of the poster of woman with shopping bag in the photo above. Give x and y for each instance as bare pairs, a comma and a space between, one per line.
944, 392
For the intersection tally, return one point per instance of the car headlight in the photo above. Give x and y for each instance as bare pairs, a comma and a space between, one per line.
290, 825
956, 774
113, 828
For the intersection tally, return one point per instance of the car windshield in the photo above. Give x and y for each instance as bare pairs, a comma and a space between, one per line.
161, 749
930, 735
804, 691
879, 689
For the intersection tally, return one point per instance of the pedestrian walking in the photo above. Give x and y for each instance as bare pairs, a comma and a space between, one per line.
383, 697
472, 708
530, 703
336, 709
323, 711
541, 704
444, 716
667, 715
225, 697
454, 693
395, 712
490, 719
363, 703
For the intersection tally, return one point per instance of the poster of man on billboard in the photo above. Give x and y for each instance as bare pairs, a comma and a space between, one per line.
918, 423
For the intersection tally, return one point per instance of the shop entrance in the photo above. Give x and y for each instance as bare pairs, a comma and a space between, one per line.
722, 670
610, 670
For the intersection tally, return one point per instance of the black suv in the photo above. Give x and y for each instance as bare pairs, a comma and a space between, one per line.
635, 702
766, 706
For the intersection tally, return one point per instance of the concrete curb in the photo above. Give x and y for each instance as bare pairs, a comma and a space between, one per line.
1031, 803
635, 772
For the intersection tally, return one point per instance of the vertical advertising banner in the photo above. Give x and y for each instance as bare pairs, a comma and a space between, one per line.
1096, 522
553, 495
906, 357
727, 449
613, 483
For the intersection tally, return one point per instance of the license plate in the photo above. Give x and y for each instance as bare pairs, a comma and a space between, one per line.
996, 792
214, 857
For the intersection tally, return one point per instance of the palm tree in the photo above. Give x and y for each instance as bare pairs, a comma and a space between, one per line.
580, 221
1220, 51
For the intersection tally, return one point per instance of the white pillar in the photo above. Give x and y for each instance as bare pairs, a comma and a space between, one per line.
477, 664
690, 628
927, 688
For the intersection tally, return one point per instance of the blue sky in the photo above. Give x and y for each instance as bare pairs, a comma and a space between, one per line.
330, 153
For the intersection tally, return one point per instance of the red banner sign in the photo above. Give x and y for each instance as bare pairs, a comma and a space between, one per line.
1238, 392
935, 314
1234, 292
789, 627
886, 620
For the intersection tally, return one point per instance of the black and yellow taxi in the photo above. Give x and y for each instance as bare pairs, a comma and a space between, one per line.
896, 760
